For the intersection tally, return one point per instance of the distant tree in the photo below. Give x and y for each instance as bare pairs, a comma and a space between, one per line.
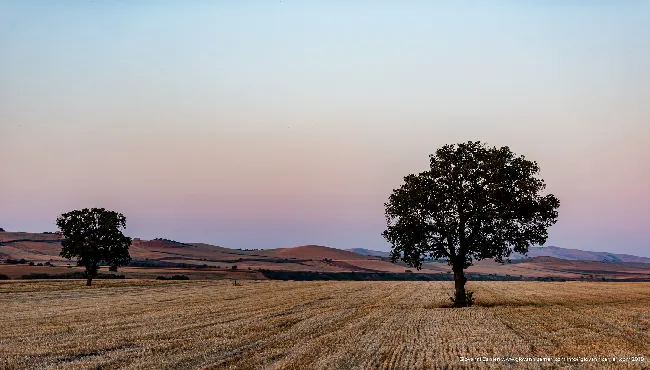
2, 230
15, 262
174, 277
93, 236
234, 267
474, 203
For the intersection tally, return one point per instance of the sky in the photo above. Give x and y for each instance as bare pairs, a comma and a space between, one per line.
267, 124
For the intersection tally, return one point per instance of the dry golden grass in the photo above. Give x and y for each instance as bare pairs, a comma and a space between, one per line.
316, 325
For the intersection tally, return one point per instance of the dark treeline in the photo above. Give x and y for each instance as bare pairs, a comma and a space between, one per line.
389, 276
70, 275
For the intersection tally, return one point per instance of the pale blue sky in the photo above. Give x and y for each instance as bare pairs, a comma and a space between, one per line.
260, 124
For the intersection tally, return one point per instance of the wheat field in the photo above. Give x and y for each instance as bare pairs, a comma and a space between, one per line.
148, 324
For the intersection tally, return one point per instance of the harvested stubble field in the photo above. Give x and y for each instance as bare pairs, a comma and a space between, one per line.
316, 325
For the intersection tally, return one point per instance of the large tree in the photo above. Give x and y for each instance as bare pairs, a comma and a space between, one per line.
94, 236
475, 202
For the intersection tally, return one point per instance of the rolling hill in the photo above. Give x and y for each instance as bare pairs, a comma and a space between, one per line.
205, 261
579, 255
369, 252
315, 252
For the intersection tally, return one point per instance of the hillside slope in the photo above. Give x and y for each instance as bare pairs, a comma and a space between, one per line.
314, 252
580, 255
369, 252
163, 254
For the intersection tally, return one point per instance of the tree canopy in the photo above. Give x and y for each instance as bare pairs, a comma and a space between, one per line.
94, 236
475, 202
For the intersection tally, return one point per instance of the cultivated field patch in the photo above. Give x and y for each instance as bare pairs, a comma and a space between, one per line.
316, 325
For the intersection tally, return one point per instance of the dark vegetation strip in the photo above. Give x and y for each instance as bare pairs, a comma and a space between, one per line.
70, 275
163, 263
408, 276
341, 276
31, 240
380, 276
174, 277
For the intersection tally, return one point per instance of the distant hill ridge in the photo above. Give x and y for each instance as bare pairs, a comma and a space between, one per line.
368, 252
579, 255
35, 242
550, 251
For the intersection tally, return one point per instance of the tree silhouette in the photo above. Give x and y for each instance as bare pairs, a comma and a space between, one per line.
94, 236
474, 203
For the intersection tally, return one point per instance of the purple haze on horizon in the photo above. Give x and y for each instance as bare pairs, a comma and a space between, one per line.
265, 125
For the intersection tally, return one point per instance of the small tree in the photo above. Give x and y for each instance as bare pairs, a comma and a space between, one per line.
92, 236
474, 203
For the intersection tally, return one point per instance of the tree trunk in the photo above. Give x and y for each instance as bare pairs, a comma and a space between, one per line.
460, 300
91, 272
